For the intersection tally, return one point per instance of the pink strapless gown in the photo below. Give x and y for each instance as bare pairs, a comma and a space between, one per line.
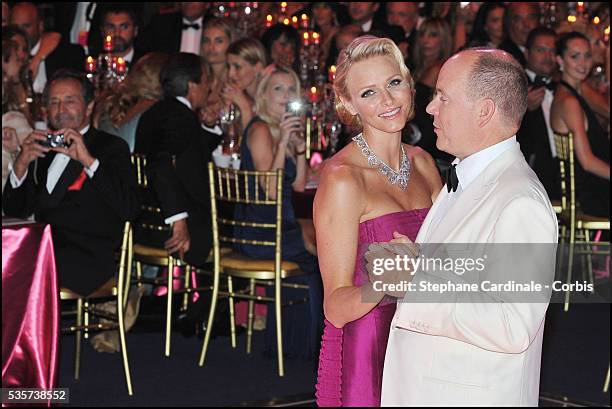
352, 358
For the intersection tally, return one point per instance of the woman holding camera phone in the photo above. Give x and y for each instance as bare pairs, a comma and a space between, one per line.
273, 139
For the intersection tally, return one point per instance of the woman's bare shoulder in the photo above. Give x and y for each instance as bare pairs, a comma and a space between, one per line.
425, 164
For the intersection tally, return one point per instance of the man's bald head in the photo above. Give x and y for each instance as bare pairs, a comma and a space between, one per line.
496, 75
27, 17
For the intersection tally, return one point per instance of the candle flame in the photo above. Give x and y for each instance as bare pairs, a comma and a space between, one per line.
313, 90
315, 35
90, 59
607, 31
286, 21
109, 39
294, 19
284, 4
580, 3
269, 17
306, 35
304, 16
332, 68
596, 20
120, 61
571, 19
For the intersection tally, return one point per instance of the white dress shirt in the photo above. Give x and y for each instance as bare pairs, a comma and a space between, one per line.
367, 26
546, 104
191, 38
56, 169
129, 56
468, 170
82, 23
41, 76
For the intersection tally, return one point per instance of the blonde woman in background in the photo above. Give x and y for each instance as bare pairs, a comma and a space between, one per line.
273, 140
119, 112
246, 60
217, 35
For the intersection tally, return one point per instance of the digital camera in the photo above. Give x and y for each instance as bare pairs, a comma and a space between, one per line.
54, 141
294, 107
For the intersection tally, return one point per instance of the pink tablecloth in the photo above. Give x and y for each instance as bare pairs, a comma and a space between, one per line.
30, 307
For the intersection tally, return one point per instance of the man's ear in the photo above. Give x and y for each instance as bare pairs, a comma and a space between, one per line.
486, 111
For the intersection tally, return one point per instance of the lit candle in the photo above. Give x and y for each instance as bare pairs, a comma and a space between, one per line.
580, 7
607, 34
331, 75
283, 7
108, 44
121, 66
90, 65
571, 19
269, 19
286, 21
315, 37
313, 94
306, 38
294, 21
304, 20
596, 20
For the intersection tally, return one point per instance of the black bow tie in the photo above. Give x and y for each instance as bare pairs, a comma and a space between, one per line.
451, 179
544, 81
195, 26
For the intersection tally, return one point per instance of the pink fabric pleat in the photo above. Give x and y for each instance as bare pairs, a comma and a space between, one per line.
30, 308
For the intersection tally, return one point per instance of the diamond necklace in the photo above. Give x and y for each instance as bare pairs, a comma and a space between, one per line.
400, 178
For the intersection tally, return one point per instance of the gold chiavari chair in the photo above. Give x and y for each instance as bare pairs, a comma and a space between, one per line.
253, 188
575, 224
116, 288
143, 254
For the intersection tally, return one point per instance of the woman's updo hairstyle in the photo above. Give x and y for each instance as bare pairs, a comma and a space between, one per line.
361, 49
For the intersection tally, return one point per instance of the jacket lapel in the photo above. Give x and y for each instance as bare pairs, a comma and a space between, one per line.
71, 172
478, 191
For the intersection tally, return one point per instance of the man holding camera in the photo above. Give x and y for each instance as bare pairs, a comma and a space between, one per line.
77, 179
535, 135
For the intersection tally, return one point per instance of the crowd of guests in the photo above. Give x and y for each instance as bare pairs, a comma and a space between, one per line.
187, 69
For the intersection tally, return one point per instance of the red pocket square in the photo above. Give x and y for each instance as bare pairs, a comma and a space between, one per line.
78, 182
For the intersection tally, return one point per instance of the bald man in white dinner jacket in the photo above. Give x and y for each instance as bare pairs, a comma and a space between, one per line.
474, 353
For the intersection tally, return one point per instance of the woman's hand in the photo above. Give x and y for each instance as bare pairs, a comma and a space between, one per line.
231, 94
289, 125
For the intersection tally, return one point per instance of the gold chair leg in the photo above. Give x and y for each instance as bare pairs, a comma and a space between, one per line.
230, 289
139, 273
589, 258
187, 287
250, 316
170, 287
279, 331
86, 319
607, 381
570, 262
78, 339
211, 316
561, 252
124, 354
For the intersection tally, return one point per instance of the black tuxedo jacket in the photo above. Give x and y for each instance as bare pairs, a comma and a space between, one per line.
509, 46
535, 145
381, 29
163, 34
65, 55
86, 224
178, 151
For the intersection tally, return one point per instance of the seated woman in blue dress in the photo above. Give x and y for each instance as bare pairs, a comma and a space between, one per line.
273, 140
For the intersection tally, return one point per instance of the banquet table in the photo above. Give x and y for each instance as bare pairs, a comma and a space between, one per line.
30, 306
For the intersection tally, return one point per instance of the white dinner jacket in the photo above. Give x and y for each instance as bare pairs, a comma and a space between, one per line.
458, 353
